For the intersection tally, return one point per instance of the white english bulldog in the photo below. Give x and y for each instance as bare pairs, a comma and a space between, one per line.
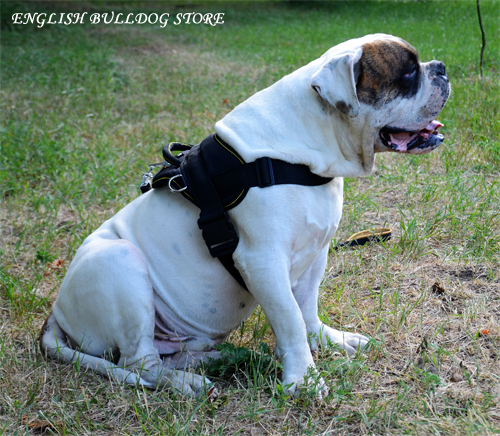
143, 289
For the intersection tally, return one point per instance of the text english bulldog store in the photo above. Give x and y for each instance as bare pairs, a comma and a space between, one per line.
40, 19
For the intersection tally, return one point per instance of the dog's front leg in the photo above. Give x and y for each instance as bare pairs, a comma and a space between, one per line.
306, 291
268, 279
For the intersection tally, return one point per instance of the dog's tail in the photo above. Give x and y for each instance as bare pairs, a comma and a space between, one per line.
54, 344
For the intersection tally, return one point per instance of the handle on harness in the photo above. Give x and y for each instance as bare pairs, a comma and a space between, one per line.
174, 146
171, 161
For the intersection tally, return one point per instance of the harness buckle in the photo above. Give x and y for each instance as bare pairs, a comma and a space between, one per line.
147, 177
173, 189
219, 235
265, 173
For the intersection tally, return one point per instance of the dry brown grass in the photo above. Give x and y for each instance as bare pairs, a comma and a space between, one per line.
434, 320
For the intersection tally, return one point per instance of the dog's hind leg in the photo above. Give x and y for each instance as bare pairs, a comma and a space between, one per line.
150, 373
54, 344
106, 302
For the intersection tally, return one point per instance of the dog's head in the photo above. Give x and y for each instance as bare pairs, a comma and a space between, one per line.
381, 76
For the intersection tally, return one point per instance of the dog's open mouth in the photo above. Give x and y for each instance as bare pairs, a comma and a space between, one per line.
405, 141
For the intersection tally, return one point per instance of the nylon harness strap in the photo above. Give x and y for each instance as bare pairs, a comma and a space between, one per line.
215, 178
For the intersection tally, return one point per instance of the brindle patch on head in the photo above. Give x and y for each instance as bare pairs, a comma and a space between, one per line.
381, 72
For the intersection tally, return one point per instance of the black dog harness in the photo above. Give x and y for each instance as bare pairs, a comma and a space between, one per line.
215, 178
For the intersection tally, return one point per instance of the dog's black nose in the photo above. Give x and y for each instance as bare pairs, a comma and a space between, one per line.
438, 67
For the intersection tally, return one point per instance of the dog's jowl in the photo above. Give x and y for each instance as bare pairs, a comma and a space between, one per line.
154, 296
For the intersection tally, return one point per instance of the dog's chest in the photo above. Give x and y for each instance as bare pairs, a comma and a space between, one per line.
295, 222
321, 219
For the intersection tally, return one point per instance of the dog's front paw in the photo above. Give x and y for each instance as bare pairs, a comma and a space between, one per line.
350, 342
310, 384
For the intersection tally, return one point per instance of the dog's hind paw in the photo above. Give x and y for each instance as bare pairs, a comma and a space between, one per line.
191, 384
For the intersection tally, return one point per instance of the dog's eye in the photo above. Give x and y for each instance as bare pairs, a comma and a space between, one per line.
411, 73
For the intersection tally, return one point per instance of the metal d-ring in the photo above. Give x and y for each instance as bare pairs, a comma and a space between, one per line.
170, 186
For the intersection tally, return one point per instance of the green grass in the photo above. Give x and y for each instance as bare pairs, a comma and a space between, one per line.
84, 109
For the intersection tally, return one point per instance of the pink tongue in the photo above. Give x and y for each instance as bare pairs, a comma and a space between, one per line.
434, 125
401, 140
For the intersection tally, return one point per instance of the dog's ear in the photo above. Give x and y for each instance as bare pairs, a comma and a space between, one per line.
335, 82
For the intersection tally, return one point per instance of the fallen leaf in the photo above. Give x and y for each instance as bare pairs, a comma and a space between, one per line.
456, 377
54, 266
58, 263
212, 394
41, 425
